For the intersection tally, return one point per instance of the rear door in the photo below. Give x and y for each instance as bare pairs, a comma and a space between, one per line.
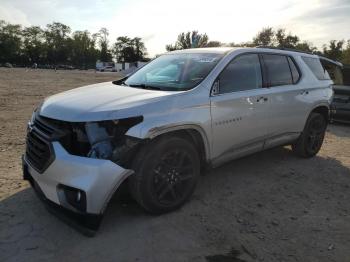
239, 109
288, 102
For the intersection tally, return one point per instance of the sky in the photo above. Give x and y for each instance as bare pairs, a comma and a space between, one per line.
158, 22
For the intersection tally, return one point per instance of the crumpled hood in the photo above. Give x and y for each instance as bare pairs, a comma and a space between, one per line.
97, 102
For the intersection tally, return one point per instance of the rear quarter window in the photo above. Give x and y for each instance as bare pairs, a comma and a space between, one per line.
294, 70
316, 68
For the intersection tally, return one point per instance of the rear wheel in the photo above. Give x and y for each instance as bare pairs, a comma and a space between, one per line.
311, 139
166, 173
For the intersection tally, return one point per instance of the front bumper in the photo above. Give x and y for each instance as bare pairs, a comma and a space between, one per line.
96, 179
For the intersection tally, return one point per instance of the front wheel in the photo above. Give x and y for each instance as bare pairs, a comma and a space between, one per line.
166, 173
311, 139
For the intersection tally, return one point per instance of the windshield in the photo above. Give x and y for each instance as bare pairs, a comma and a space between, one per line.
175, 72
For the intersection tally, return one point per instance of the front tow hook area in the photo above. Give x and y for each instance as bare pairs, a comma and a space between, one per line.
85, 223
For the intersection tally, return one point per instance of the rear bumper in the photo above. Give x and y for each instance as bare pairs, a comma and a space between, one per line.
340, 112
95, 181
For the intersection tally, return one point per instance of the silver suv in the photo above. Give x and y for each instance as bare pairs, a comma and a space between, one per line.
156, 129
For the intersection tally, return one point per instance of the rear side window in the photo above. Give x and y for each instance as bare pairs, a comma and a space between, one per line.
278, 70
294, 70
316, 67
243, 73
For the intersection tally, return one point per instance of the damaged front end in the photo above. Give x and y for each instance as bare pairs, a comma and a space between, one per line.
102, 140
78, 166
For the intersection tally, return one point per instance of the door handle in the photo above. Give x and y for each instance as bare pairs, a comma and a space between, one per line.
262, 98
304, 92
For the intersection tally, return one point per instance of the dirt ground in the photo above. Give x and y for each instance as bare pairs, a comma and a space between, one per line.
271, 206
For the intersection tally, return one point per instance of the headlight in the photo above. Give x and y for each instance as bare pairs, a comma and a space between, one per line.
36, 111
32, 119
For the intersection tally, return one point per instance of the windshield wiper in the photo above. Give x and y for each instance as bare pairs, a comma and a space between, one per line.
145, 86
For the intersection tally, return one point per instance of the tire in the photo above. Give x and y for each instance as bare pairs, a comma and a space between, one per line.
166, 173
311, 139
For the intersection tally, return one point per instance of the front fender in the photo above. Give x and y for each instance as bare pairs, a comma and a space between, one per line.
145, 131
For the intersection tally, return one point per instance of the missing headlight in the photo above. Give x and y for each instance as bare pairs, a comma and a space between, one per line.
100, 141
103, 139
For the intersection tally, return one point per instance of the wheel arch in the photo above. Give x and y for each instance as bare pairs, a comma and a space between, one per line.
195, 134
323, 110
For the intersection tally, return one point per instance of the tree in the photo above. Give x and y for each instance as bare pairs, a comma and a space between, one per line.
285, 41
171, 47
123, 49
129, 49
105, 54
57, 42
269, 37
189, 40
83, 52
306, 46
140, 49
346, 54
33, 44
334, 50
243, 44
265, 37
214, 44
10, 42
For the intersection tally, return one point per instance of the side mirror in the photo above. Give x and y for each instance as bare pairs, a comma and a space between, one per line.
216, 88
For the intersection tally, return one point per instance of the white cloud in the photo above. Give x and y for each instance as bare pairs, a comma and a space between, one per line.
13, 15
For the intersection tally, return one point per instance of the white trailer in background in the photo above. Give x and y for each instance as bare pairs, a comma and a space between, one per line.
129, 67
105, 66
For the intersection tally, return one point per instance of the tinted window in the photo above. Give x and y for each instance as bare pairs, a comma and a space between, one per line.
293, 68
316, 67
243, 73
278, 70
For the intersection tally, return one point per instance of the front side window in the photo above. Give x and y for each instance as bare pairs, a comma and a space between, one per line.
175, 72
278, 70
243, 73
316, 67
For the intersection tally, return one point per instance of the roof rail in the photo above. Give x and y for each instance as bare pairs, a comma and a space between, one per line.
285, 49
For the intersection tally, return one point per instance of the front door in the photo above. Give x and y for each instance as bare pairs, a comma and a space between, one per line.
239, 108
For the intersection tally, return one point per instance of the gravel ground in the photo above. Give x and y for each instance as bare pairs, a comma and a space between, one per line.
271, 206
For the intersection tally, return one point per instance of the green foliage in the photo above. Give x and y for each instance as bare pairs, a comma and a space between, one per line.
129, 49
334, 50
306, 46
346, 54
214, 44
279, 38
34, 47
57, 42
55, 45
244, 44
83, 51
265, 37
105, 54
10, 42
189, 40
284, 40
